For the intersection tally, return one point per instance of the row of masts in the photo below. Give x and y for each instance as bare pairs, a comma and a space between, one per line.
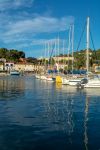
59, 46
54, 47
88, 80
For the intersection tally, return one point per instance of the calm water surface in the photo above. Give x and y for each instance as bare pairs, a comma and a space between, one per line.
36, 115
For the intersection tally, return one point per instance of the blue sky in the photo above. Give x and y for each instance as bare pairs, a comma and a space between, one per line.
27, 24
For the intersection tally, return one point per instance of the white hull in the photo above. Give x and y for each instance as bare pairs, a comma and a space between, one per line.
92, 85
43, 77
74, 82
65, 81
37, 76
15, 73
50, 79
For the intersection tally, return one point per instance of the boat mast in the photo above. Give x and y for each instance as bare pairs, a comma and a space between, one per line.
58, 40
63, 53
45, 56
48, 53
72, 46
88, 42
69, 44
55, 50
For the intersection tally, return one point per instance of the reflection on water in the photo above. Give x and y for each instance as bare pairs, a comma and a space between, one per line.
92, 92
10, 87
85, 123
36, 114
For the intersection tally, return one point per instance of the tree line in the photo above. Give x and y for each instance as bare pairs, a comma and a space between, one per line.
14, 55
79, 58
11, 55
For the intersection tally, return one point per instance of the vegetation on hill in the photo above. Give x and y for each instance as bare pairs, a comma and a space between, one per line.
11, 55
79, 58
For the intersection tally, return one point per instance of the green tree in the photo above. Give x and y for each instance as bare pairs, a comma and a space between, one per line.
32, 60
3, 52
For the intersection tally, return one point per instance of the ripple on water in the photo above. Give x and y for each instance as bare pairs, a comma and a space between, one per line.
38, 115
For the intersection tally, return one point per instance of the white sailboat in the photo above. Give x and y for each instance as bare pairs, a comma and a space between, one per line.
44, 75
93, 82
74, 82
65, 79
71, 80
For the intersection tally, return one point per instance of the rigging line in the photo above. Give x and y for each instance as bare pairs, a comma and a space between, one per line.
92, 40
52, 50
81, 37
51, 53
93, 44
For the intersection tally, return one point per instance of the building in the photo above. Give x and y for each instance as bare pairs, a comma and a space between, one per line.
1, 67
59, 58
97, 69
8, 66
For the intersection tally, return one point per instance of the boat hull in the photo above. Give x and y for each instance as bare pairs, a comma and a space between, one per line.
14, 73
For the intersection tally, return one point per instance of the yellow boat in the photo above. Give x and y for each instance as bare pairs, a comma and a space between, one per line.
58, 79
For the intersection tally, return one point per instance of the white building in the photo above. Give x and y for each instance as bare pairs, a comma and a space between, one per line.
9, 66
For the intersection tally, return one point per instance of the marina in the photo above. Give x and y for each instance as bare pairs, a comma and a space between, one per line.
49, 75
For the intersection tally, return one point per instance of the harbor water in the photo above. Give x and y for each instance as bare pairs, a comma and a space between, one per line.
40, 115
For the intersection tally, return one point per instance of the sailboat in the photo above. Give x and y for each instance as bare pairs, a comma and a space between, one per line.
65, 79
93, 82
71, 79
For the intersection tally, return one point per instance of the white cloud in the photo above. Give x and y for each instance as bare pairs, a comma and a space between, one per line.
20, 28
39, 25
14, 4
48, 41
23, 34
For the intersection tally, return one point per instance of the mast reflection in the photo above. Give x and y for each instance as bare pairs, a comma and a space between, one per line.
86, 122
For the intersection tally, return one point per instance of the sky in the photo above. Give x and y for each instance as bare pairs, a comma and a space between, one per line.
28, 25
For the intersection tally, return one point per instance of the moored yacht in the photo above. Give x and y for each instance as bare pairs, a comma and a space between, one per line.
65, 81
72, 80
93, 83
